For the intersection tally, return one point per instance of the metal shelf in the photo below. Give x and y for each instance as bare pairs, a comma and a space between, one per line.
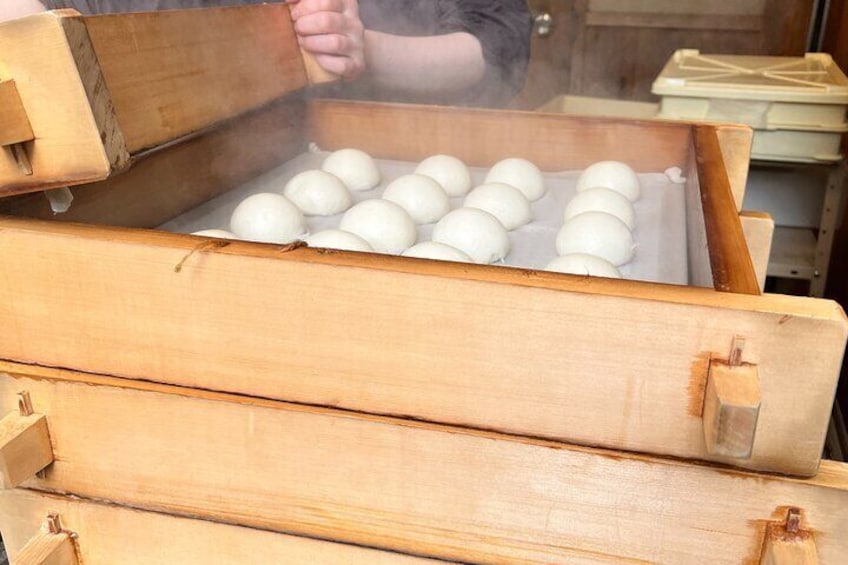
793, 254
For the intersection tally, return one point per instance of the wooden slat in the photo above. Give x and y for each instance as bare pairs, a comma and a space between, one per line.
14, 124
175, 72
735, 143
482, 137
99, 97
698, 258
168, 183
109, 535
731, 264
758, 228
68, 109
736, 22
488, 347
412, 487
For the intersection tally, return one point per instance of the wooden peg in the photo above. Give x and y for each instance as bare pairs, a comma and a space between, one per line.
53, 546
731, 405
786, 543
24, 444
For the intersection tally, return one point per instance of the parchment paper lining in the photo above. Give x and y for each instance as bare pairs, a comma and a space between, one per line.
660, 231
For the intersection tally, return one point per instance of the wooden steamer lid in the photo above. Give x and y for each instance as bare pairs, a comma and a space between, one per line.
80, 96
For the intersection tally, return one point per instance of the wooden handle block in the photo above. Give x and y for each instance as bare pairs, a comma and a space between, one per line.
24, 448
785, 548
731, 409
48, 549
14, 124
315, 72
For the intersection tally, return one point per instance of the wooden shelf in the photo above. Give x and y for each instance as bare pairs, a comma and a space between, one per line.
793, 253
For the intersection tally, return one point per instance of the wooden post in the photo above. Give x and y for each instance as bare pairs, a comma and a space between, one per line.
24, 444
787, 544
53, 546
732, 405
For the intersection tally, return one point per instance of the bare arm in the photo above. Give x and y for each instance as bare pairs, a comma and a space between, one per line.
9, 10
438, 64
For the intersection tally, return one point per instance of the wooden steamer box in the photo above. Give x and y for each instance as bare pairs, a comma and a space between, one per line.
437, 410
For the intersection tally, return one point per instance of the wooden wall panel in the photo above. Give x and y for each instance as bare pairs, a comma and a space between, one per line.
107, 534
166, 183
446, 342
418, 488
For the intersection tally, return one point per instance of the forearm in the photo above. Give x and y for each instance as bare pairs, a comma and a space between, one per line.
437, 64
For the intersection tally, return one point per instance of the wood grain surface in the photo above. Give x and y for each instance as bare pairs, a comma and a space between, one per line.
171, 73
107, 534
585, 360
731, 265
417, 488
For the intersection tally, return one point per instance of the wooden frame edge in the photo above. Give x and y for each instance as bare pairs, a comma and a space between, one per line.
731, 263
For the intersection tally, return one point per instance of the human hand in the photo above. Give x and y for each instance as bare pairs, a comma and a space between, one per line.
333, 32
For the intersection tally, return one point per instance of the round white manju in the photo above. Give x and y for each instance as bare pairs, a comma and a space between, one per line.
383, 224
476, 232
601, 199
611, 174
269, 218
505, 202
599, 234
354, 167
583, 264
520, 173
220, 234
435, 250
449, 172
318, 193
423, 198
337, 239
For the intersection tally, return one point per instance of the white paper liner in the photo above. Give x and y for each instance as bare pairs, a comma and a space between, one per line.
660, 231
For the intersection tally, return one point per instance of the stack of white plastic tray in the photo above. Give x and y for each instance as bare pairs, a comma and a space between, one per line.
796, 105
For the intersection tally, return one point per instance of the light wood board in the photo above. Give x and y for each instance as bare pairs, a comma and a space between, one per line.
697, 246
167, 183
14, 124
732, 270
554, 142
591, 361
412, 487
56, 80
175, 72
109, 535
759, 232
735, 142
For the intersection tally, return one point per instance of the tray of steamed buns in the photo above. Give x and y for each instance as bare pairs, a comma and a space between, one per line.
604, 221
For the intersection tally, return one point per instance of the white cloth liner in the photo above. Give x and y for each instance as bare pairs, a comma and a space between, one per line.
660, 231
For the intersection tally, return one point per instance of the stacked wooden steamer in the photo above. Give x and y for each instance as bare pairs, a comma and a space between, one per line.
174, 399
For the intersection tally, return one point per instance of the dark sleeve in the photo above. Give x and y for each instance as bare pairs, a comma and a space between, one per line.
503, 28
110, 6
